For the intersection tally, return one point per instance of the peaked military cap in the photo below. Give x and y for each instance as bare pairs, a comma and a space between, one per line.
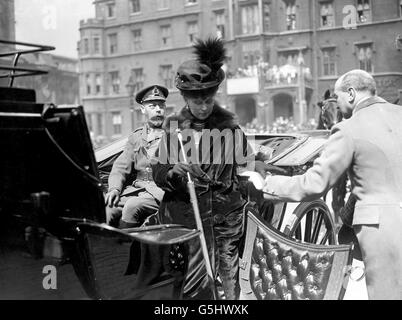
152, 93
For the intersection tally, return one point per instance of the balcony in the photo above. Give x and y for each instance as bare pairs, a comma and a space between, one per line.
251, 79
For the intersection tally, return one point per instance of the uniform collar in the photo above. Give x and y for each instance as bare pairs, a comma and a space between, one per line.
368, 102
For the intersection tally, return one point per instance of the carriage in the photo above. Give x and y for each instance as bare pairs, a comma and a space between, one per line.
52, 207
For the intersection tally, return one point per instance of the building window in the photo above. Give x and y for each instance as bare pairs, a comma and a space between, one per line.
251, 56
115, 81
327, 14
220, 24
88, 83
365, 57
163, 4
166, 73
250, 19
113, 43
290, 16
400, 8
191, 1
192, 31
135, 6
98, 83
166, 37
363, 11
137, 78
329, 62
96, 45
88, 117
117, 122
137, 39
99, 124
86, 46
288, 57
266, 16
110, 10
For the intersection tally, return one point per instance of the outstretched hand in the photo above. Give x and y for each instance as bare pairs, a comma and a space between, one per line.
254, 177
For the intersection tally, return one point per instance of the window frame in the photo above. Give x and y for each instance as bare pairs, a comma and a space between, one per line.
333, 62
163, 2
248, 18
168, 43
132, 7
291, 7
88, 84
114, 36
96, 42
331, 4
370, 18
115, 82
109, 5
365, 45
219, 33
193, 35
137, 41
98, 86
117, 125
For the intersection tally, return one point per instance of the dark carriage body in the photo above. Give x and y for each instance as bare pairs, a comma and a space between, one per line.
52, 210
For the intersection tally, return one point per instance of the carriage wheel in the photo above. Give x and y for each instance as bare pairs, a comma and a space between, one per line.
312, 222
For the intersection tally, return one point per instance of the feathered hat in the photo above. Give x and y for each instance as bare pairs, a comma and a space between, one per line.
206, 70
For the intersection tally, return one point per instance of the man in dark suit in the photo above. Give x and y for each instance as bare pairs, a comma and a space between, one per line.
369, 146
132, 193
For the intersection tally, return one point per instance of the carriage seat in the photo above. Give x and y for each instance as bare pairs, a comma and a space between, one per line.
274, 267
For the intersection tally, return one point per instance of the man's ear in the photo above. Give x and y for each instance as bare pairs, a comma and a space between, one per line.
142, 109
351, 95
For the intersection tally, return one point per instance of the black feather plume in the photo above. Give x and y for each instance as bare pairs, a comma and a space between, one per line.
211, 52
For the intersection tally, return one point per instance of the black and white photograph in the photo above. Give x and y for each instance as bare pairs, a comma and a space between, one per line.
201, 154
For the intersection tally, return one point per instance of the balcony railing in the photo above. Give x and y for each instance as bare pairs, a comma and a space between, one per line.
248, 80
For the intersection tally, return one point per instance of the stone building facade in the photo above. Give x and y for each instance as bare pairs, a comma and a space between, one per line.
283, 54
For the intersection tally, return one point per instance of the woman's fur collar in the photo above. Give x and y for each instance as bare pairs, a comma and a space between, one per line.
219, 119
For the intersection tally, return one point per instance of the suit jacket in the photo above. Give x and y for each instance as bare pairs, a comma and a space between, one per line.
369, 146
132, 172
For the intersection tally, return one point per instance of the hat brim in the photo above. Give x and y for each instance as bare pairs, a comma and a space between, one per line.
196, 86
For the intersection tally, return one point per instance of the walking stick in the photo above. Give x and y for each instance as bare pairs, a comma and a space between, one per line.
194, 202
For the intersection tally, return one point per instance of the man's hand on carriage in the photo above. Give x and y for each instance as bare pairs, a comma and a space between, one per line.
112, 198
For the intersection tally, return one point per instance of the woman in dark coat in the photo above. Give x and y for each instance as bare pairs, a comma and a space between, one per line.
213, 169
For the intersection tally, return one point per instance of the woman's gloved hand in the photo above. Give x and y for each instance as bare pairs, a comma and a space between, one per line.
181, 169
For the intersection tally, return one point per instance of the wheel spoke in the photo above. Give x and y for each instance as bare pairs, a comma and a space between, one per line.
309, 223
298, 233
317, 227
326, 237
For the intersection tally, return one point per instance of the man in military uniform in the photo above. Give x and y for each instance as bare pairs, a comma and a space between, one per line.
132, 194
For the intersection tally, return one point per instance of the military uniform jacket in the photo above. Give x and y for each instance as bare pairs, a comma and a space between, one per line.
131, 172
369, 147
